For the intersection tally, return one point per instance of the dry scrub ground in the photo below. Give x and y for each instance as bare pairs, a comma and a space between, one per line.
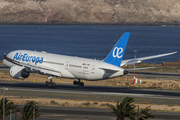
83, 103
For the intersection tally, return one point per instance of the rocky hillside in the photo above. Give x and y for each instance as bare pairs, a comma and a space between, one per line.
135, 12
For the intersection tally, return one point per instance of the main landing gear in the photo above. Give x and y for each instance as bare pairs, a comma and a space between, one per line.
50, 84
78, 83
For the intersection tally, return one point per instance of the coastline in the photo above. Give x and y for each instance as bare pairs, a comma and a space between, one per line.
98, 24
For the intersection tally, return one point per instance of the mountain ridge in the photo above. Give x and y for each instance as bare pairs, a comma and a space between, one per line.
123, 12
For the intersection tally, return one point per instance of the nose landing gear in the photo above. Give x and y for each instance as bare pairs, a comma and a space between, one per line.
78, 83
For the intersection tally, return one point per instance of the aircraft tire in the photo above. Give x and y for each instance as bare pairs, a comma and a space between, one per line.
75, 82
82, 84
53, 85
50, 85
46, 83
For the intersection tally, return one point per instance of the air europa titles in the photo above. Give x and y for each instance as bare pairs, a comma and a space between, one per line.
27, 58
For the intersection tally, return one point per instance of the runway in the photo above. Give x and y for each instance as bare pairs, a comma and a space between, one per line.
80, 113
97, 114
92, 92
2, 67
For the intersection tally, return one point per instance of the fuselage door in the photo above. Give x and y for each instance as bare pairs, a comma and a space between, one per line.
93, 69
66, 65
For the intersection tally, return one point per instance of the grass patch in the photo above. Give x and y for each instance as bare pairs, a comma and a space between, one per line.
87, 103
53, 102
95, 103
102, 104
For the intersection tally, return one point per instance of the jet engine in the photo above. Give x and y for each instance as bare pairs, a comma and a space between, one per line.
18, 72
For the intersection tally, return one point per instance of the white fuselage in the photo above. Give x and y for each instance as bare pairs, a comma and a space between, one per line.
65, 66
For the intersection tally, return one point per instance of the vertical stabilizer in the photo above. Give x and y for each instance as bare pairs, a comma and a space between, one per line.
116, 55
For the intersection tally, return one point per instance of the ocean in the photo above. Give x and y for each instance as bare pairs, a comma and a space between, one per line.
90, 41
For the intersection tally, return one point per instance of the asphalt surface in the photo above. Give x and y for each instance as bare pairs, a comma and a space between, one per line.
152, 96
114, 91
2, 67
80, 113
97, 113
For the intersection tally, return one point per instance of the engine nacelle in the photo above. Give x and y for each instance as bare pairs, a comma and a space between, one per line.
18, 72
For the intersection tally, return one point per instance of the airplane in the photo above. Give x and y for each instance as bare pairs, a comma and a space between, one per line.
24, 62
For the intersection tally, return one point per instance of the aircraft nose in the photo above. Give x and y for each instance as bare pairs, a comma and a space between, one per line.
5, 61
4, 55
125, 72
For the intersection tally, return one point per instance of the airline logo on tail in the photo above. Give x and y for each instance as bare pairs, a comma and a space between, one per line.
116, 55
117, 52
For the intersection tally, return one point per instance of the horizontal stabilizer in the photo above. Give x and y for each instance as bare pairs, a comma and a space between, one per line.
113, 70
140, 68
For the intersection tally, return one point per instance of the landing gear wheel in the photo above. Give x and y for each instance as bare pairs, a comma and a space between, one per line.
75, 82
81, 84
46, 83
53, 85
78, 83
50, 85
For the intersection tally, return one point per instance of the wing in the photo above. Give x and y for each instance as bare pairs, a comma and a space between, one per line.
40, 69
139, 60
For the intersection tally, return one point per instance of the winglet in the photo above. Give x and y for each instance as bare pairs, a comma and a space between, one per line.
116, 55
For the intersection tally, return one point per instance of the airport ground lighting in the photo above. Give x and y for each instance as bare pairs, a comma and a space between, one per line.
134, 64
4, 102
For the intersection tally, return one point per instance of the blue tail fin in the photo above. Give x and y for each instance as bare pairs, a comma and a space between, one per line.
116, 55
